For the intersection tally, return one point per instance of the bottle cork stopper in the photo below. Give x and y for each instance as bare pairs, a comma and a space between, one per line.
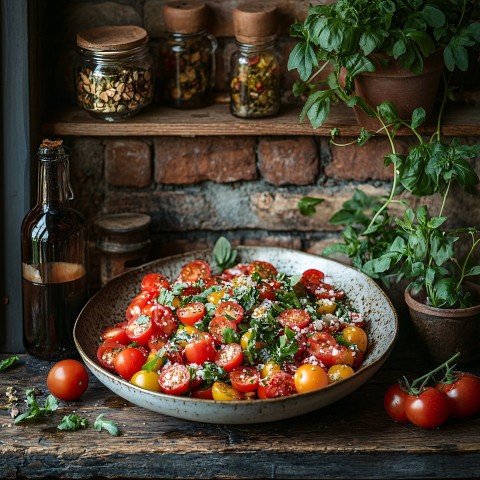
185, 16
112, 38
254, 22
47, 143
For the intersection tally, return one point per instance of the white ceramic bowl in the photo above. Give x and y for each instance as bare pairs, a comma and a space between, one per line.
109, 304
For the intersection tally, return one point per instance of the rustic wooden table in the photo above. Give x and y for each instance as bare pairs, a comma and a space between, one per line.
353, 438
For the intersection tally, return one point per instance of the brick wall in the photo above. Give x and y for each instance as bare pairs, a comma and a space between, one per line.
198, 188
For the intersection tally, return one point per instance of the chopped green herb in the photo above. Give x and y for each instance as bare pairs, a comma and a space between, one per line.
72, 422
8, 362
107, 425
34, 410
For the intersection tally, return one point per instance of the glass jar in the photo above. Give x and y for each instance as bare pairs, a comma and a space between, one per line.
188, 69
54, 260
187, 55
255, 65
255, 80
114, 76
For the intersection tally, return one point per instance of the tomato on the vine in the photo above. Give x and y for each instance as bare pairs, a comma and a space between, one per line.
67, 380
394, 402
429, 409
463, 394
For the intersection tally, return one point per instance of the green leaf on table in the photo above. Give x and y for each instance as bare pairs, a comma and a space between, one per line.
101, 424
72, 422
8, 362
34, 410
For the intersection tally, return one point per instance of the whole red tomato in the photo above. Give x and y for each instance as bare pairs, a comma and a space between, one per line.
67, 380
129, 361
429, 409
463, 395
394, 402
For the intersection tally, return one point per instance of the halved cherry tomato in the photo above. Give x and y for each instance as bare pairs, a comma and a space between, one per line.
200, 349
339, 372
236, 271
223, 392
429, 409
156, 342
312, 277
107, 352
463, 394
310, 377
245, 339
138, 304
203, 392
117, 333
325, 290
140, 329
218, 325
322, 345
216, 296
163, 320
281, 384
191, 313
129, 361
394, 402
190, 291
266, 291
245, 379
154, 282
231, 310
194, 271
294, 318
230, 356
269, 368
174, 379
146, 380
264, 269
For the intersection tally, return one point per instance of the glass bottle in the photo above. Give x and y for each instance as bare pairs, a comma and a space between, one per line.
255, 65
114, 76
54, 258
187, 56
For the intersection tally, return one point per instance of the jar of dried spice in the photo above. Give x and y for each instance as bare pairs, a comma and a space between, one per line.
255, 65
114, 73
187, 56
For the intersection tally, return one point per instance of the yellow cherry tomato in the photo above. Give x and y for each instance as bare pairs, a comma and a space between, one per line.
223, 392
357, 336
325, 306
215, 297
176, 302
146, 380
339, 372
310, 377
245, 339
190, 331
345, 357
269, 368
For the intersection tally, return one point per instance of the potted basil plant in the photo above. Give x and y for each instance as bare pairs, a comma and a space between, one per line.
380, 50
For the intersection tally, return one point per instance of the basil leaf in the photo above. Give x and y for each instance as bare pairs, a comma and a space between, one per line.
107, 425
8, 362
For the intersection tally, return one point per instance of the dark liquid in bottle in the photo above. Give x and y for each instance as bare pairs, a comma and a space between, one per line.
51, 307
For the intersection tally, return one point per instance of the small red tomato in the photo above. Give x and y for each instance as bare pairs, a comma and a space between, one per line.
232, 310
230, 356
281, 384
174, 379
67, 380
154, 282
129, 361
245, 379
200, 349
194, 271
294, 318
463, 395
394, 402
429, 409
191, 313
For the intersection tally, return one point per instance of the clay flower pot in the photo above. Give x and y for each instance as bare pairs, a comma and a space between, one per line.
445, 332
391, 82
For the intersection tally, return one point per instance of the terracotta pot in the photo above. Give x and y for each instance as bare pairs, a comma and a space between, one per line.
445, 332
393, 83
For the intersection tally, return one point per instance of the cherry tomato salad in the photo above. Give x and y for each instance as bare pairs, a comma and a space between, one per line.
249, 332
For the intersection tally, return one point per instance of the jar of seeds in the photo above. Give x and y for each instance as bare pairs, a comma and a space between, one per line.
255, 65
114, 73
187, 62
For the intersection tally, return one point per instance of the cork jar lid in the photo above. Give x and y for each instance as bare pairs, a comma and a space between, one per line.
254, 22
112, 38
185, 16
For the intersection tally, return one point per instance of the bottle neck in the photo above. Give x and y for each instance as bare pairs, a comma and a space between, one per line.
53, 182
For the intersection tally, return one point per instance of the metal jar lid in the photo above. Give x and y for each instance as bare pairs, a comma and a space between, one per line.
255, 22
112, 38
185, 16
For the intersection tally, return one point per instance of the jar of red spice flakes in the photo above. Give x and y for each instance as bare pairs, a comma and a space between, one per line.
187, 62
255, 65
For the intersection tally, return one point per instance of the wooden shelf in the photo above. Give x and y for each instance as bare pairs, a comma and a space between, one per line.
216, 120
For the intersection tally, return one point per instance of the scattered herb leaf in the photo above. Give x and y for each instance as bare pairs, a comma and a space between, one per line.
107, 425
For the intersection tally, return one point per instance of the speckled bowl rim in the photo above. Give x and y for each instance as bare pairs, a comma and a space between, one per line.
363, 371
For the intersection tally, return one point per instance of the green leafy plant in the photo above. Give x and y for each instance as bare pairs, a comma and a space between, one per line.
8, 362
34, 410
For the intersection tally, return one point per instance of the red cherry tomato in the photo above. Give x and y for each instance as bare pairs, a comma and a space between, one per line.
245, 379
129, 361
107, 352
264, 269
191, 313
281, 384
163, 320
140, 329
324, 347
230, 356
194, 271
312, 276
200, 349
429, 409
325, 290
294, 318
137, 304
117, 333
266, 291
154, 282
67, 380
218, 325
156, 342
174, 379
394, 402
463, 395
204, 393
231, 310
